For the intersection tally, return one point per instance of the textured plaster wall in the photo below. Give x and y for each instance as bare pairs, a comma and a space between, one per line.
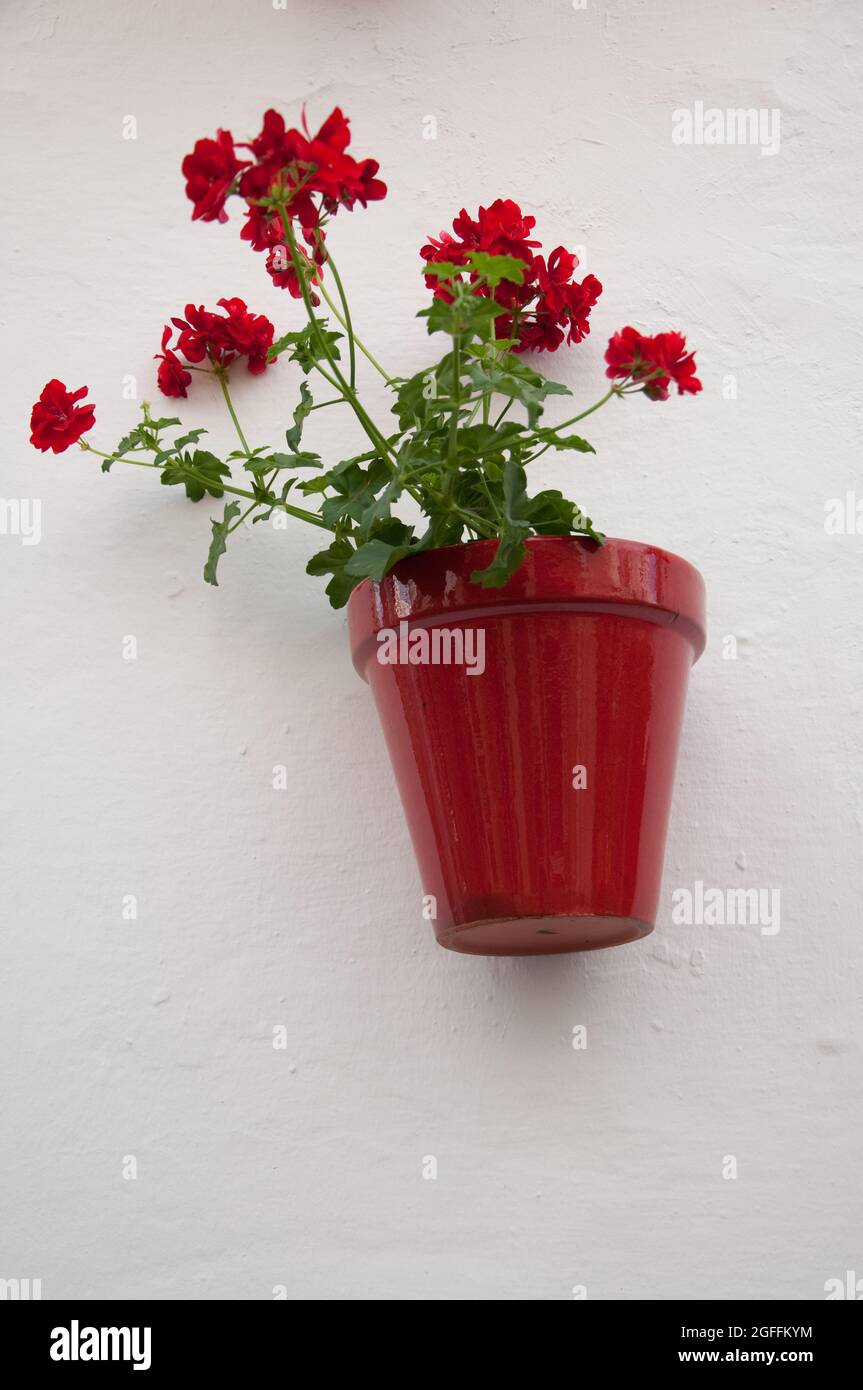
153, 1039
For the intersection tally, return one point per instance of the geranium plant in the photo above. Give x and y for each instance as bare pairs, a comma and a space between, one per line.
468, 426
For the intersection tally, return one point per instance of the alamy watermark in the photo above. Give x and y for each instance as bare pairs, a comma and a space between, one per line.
700, 125
849, 1288
20, 1290
21, 516
432, 646
843, 516
726, 907
77, 1343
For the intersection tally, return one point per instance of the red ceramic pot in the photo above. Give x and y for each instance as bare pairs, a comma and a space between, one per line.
536, 776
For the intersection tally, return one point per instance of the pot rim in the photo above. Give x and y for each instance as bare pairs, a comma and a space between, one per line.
630, 578
531, 541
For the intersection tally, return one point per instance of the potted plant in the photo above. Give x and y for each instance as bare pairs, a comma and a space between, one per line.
529, 673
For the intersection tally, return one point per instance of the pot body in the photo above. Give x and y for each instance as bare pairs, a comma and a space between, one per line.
533, 731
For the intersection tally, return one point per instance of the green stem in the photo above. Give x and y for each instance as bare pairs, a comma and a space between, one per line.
223, 382
480, 524
338, 380
240, 519
614, 390
456, 396
486, 395
268, 483
346, 323
115, 458
346, 389
331, 381
298, 512
491, 502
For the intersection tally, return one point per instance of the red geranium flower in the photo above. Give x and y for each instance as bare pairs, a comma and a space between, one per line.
271, 145
579, 299
549, 306
210, 171
219, 338
243, 334
196, 333
280, 269
312, 175
262, 230
56, 422
632, 354
538, 333
341, 180
553, 278
280, 265
172, 376
501, 230
302, 166
281, 175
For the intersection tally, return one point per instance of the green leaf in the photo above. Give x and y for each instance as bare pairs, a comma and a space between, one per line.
249, 453
582, 525
424, 394
507, 558
512, 378
218, 544
302, 412
136, 438
470, 313
303, 346
491, 441
444, 270
276, 461
476, 313
565, 441
287, 340
510, 550
268, 499
201, 473
494, 269
260, 464
333, 561
440, 317
301, 459
191, 438
375, 558
146, 436
314, 485
355, 488
379, 509
552, 514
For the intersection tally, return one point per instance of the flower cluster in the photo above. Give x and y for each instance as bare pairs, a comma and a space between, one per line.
549, 306
57, 421
217, 338
282, 175
657, 361
455, 455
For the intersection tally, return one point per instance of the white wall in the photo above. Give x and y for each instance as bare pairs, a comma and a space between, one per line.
300, 908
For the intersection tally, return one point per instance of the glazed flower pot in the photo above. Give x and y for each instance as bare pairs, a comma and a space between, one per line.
533, 731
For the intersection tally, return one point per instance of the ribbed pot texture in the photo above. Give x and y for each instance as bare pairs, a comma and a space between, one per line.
533, 731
